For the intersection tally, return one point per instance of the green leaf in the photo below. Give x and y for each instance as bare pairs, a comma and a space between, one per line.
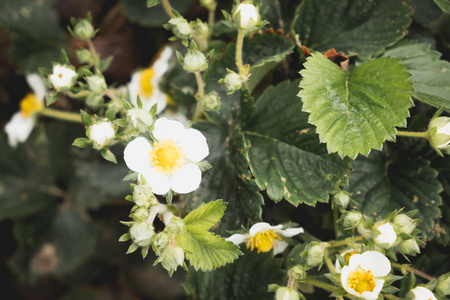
81, 142
284, 151
430, 75
205, 250
247, 278
355, 112
206, 215
355, 27
51, 97
444, 5
108, 155
137, 11
86, 118
382, 183
151, 3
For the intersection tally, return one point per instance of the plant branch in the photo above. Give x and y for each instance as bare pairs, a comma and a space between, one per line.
61, 115
200, 96
413, 134
412, 270
168, 8
239, 61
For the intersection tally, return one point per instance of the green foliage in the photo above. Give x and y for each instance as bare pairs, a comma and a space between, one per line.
444, 5
357, 111
429, 74
355, 27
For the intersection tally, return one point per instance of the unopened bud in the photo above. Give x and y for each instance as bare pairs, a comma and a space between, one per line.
315, 256
201, 28
211, 102
140, 214
96, 84
84, 56
84, 30
143, 196
142, 233
140, 119
286, 293
180, 28
232, 81
384, 235
298, 273
246, 16
195, 61
175, 226
101, 134
404, 224
443, 285
410, 247
351, 219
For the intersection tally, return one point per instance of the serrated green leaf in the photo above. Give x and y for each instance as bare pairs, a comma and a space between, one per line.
444, 5
382, 183
284, 152
429, 74
206, 215
355, 112
205, 250
246, 278
355, 27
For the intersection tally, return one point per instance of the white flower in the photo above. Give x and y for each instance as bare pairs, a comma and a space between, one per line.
346, 255
165, 213
248, 16
62, 77
362, 275
385, 235
100, 134
265, 237
170, 162
422, 293
22, 122
145, 83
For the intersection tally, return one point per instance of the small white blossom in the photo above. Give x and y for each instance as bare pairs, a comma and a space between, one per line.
101, 134
363, 275
422, 293
265, 237
62, 77
385, 235
248, 16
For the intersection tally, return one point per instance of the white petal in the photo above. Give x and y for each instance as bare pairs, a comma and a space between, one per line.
279, 247
36, 83
158, 98
187, 179
354, 261
158, 181
238, 238
194, 145
387, 236
262, 226
168, 129
137, 156
344, 279
288, 232
134, 87
19, 129
374, 261
421, 292
161, 65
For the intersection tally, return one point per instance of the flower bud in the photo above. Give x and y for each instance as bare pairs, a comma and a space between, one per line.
162, 242
201, 28
175, 226
62, 77
96, 84
140, 119
246, 16
422, 293
211, 102
101, 134
84, 56
410, 247
143, 196
351, 219
142, 233
180, 28
315, 256
341, 199
363, 230
441, 138
232, 81
84, 30
195, 61
209, 4
443, 285
141, 214
298, 273
404, 224
384, 235
286, 293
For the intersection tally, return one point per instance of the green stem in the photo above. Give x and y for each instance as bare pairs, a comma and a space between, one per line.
61, 115
328, 261
413, 134
168, 8
211, 18
335, 218
392, 297
200, 96
345, 242
80, 94
94, 54
239, 61
328, 287
412, 270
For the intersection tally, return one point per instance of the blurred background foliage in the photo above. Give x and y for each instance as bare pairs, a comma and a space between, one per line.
60, 206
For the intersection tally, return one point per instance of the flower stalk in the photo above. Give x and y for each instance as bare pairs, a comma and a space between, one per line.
412, 270
413, 134
61, 115
168, 8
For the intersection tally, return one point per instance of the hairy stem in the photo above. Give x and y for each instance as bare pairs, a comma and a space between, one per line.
168, 8
239, 61
413, 134
61, 115
200, 96
345, 242
328, 261
412, 270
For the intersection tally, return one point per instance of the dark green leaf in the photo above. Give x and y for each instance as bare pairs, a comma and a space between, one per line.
355, 27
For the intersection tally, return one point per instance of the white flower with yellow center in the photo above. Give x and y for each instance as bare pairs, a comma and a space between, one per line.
170, 163
145, 83
62, 77
362, 276
265, 237
22, 122
422, 293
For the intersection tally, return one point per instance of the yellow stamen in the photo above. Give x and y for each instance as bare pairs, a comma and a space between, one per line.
348, 254
60, 75
146, 82
166, 156
263, 241
361, 281
30, 105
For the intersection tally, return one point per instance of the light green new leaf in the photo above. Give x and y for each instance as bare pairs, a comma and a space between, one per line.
285, 155
355, 112
206, 215
355, 27
205, 250
430, 75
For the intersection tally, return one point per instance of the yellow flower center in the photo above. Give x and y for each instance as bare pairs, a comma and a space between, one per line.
166, 156
30, 105
263, 241
146, 82
361, 281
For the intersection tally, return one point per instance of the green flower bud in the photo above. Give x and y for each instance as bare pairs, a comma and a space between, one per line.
211, 102
195, 61
443, 285
140, 119
162, 242
143, 196
142, 233
439, 132
171, 259
246, 16
84, 56
96, 84
201, 28
298, 273
315, 256
180, 28
140, 214
410, 247
175, 226
404, 224
341, 199
351, 219
94, 101
84, 30
286, 293
232, 81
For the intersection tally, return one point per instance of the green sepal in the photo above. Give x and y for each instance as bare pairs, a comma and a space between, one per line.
51, 97
133, 247
125, 237
108, 155
127, 105
131, 176
105, 63
339, 293
81, 142
151, 3
86, 118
